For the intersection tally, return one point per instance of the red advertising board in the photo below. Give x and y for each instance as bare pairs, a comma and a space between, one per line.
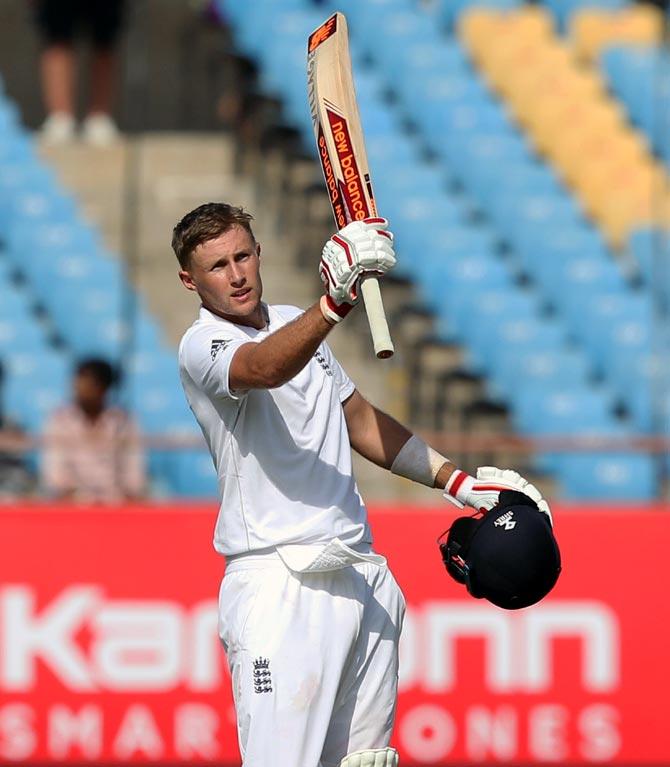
109, 651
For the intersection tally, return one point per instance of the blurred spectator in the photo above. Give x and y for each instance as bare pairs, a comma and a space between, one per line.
92, 450
60, 22
16, 480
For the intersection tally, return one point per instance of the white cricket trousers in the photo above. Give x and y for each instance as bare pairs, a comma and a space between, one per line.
313, 659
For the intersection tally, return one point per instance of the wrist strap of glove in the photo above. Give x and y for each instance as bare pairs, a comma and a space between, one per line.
458, 487
418, 461
332, 312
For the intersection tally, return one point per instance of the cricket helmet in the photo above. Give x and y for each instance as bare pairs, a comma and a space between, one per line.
508, 556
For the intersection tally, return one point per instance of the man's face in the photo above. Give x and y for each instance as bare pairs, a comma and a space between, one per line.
89, 393
224, 272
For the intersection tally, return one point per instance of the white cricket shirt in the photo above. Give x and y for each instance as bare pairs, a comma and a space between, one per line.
282, 456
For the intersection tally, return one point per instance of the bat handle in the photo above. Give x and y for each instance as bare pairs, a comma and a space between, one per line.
372, 297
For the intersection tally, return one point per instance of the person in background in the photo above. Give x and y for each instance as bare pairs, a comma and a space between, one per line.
92, 450
59, 23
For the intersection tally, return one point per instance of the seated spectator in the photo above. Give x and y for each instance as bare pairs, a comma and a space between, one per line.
92, 450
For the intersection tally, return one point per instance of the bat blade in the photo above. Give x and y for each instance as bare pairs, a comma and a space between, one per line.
341, 148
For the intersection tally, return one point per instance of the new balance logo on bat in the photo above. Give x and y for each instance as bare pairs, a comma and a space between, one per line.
506, 521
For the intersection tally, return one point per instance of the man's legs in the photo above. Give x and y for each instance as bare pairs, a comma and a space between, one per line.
289, 640
364, 714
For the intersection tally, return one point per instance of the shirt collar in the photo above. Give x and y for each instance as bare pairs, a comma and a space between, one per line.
205, 314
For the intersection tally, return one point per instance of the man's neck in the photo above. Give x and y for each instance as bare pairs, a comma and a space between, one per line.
258, 320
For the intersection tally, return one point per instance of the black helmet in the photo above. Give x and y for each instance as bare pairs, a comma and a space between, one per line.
509, 556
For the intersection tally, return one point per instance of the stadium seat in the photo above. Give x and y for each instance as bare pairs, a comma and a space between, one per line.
594, 29
640, 77
192, 475
563, 10
474, 320
450, 11
614, 323
556, 411
642, 382
423, 58
364, 16
615, 477
552, 411
650, 249
554, 367
37, 381
579, 278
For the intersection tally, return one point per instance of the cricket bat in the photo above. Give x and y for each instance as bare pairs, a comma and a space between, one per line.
341, 148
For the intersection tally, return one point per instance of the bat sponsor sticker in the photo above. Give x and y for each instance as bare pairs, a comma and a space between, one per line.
321, 34
353, 186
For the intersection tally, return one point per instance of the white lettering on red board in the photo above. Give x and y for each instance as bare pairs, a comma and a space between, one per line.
136, 645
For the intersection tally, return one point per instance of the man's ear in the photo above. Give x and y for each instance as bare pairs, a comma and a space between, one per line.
258, 249
186, 280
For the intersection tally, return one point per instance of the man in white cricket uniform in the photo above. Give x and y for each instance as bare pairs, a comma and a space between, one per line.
310, 616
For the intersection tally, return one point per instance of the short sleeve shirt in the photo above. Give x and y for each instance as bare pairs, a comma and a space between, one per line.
282, 455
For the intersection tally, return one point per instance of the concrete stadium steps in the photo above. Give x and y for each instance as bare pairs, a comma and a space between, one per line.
137, 190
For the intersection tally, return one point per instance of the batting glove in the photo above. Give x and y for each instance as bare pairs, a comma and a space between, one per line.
481, 493
359, 249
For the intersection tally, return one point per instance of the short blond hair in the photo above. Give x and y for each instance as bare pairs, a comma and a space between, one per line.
206, 222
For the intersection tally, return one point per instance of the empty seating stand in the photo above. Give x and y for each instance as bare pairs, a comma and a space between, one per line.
63, 296
505, 220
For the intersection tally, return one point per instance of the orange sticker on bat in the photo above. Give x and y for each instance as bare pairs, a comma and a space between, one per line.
321, 34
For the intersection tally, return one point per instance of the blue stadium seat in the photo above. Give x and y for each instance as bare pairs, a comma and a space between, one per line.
14, 303
479, 151
385, 151
364, 16
586, 410
553, 367
563, 9
511, 337
650, 249
547, 244
47, 238
449, 11
470, 293
471, 318
37, 381
438, 248
642, 382
615, 323
640, 77
22, 333
514, 178
552, 411
192, 475
400, 30
618, 477
511, 212
423, 58
570, 284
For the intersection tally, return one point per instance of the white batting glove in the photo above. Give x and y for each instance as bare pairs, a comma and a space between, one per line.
359, 249
481, 493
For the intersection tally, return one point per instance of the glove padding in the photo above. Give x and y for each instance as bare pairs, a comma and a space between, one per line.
359, 249
483, 492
